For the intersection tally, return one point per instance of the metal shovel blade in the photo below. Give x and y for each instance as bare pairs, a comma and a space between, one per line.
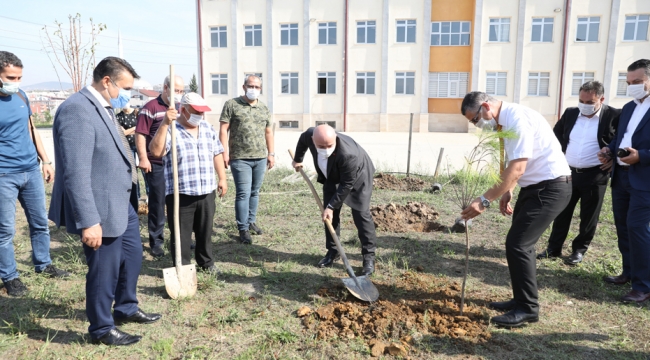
362, 289
180, 282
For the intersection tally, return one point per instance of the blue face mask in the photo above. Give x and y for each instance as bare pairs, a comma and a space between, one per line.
122, 99
9, 88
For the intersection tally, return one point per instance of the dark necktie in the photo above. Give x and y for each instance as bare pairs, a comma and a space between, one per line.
125, 143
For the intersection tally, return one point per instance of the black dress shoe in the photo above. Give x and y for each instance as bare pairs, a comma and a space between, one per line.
139, 317
617, 280
514, 318
157, 251
117, 338
503, 305
368, 267
329, 259
548, 254
574, 259
255, 229
245, 237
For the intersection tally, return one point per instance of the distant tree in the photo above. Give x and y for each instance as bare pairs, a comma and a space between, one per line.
47, 116
194, 87
66, 47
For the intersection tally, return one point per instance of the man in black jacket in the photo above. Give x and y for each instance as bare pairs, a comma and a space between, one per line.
346, 172
582, 132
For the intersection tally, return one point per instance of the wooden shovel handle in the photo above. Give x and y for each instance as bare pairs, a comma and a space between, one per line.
177, 227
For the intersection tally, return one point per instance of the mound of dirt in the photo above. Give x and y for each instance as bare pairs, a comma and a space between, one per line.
414, 216
143, 208
389, 182
422, 305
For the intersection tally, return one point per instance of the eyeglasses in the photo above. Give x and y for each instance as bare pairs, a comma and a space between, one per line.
476, 118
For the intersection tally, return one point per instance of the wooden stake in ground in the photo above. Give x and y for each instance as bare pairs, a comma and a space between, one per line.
462, 291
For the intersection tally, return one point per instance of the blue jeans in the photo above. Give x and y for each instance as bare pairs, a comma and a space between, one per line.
28, 188
248, 175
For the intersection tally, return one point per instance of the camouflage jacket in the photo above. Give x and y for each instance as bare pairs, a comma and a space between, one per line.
248, 125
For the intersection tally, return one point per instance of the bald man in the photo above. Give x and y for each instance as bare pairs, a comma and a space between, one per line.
346, 172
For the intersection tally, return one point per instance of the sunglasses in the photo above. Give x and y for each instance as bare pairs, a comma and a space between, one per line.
476, 118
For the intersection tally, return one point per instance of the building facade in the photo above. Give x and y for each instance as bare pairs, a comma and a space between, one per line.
367, 65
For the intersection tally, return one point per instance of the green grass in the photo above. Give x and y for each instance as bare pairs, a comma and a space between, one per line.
248, 312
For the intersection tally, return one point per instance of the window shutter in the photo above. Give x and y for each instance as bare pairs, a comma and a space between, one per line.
433, 85
543, 86
532, 85
501, 84
575, 87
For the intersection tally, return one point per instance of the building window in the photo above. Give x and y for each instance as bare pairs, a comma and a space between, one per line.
405, 83
218, 37
496, 83
220, 84
288, 34
448, 84
366, 83
289, 82
450, 33
288, 124
327, 33
406, 31
538, 83
327, 83
253, 35
621, 88
542, 30
332, 124
500, 30
636, 28
580, 78
588, 29
366, 32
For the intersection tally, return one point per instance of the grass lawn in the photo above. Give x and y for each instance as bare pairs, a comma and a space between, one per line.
248, 312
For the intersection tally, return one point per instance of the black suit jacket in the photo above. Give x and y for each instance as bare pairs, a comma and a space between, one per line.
349, 167
607, 125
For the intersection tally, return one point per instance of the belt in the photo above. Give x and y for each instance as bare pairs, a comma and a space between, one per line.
583, 170
561, 179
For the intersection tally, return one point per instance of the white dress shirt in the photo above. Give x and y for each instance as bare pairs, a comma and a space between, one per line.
100, 98
582, 150
534, 141
639, 111
322, 164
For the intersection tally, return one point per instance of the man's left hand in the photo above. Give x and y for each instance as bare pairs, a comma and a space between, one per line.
222, 188
631, 159
328, 214
473, 210
48, 173
270, 161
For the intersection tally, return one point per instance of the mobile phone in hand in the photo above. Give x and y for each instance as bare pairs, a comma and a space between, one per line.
622, 153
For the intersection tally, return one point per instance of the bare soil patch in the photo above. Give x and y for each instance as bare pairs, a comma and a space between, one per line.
390, 182
423, 305
414, 216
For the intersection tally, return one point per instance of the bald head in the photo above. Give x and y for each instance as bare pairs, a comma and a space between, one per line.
324, 137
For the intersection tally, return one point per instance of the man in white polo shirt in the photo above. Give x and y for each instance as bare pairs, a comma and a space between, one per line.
537, 164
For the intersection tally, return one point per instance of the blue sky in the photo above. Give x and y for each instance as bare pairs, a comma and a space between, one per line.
155, 33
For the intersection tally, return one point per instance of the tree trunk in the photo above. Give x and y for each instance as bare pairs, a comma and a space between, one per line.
462, 292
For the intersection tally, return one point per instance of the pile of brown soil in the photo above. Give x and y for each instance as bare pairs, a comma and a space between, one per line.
389, 182
422, 305
143, 208
414, 216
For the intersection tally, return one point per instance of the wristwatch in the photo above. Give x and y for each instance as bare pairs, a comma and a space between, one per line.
485, 202
272, 154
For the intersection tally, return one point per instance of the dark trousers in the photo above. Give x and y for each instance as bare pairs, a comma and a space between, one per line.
156, 219
632, 218
195, 214
535, 209
589, 188
113, 271
362, 220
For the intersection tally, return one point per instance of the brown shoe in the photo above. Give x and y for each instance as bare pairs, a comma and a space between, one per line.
617, 280
635, 296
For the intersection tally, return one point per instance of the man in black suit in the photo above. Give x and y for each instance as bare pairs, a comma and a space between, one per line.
582, 132
346, 172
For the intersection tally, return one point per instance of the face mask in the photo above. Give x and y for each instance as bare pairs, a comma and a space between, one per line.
325, 153
194, 119
487, 124
252, 94
177, 98
637, 91
122, 99
587, 109
9, 88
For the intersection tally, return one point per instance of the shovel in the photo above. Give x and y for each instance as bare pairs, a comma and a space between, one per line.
180, 281
359, 286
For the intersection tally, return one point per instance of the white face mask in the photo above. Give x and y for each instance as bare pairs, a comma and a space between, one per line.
637, 91
194, 119
252, 94
9, 88
177, 98
325, 153
487, 124
587, 109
